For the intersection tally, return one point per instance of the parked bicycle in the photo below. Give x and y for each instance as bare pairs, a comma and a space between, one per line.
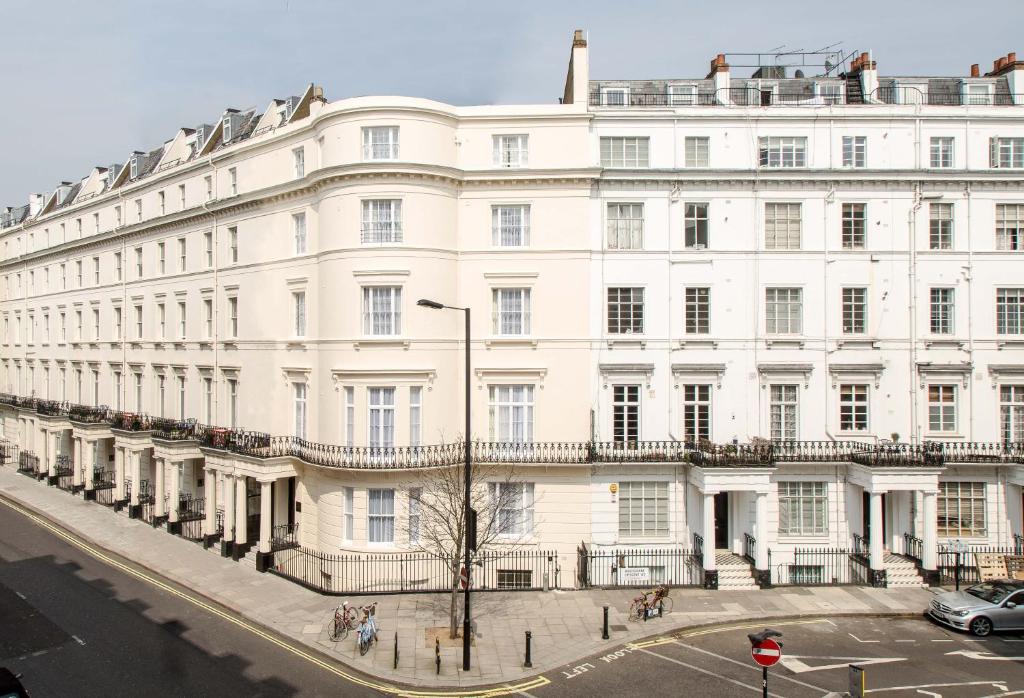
343, 621
366, 633
656, 602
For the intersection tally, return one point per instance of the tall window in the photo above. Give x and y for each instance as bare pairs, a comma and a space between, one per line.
643, 509
625, 414
1011, 413
1010, 310
208, 239
695, 226
415, 514
161, 257
513, 502
784, 310
182, 320
349, 512
232, 181
208, 319
784, 415
695, 151
382, 221
138, 393
162, 199
782, 226
299, 305
299, 231
510, 226
853, 407
942, 310
233, 402
138, 322
625, 311
381, 417
95, 386
161, 394
181, 397
161, 321
117, 390
1010, 227
350, 416
855, 149
942, 408
853, 226
381, 519
511, 413
78, 275
941, 152
697, 310
118, 270
619, 151
208, 180
1006, 152
625, 226
299, 159
299, 405
855, 310
415, 415
511, 311
961, 509
511, 150
803, 508
696, 413
181, 197
95, 325
233, 316
182, 255
233, 244
940, 226
382, 310
208, 400
380, 143
96, 270
783, 152
138, 262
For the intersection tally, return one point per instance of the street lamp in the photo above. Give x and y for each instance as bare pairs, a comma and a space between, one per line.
466, 512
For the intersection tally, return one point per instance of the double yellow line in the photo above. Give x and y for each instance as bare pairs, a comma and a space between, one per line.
390, 689
675, 637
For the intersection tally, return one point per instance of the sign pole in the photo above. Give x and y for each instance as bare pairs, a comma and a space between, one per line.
764, 682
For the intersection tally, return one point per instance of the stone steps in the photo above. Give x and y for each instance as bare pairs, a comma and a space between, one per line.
901, 573
734, 573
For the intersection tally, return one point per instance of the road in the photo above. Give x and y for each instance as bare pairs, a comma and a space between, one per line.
902, 658
73, 625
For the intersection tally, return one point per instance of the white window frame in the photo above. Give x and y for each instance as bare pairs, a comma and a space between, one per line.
855, 151
682, 95
510, 225
783, 310
511, 150
784, 411
941, 152
510, 312
644, 509
803, 508
382, 311
300, 404
299, 313
380, 417
782, 151
513, 508
854, 407
696, 151
942, 407
629, 152
782, 229
299, 232
299, 162
696, 411
380, 143
380, 516
510, 413
625, 225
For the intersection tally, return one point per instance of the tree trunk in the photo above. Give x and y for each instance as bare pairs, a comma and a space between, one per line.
453, 615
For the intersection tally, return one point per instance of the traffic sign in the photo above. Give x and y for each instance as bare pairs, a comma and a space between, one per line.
766, 653
463, 578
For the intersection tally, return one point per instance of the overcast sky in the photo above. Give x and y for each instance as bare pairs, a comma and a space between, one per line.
85, 83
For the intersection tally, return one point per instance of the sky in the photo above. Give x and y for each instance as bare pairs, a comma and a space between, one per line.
86, 83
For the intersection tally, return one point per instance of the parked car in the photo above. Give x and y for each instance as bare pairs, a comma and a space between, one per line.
10, 686
982, 608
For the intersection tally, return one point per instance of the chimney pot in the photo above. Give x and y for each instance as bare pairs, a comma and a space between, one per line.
1002, 62
975, 71
864, 57
1011, 57
995, 64
577, 38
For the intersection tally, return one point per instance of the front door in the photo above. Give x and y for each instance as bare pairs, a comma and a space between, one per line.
722, 521
866, 508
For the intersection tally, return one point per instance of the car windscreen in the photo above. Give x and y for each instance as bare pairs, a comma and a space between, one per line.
993, 593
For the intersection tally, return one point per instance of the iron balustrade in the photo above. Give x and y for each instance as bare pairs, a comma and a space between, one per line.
817, 567
980, 452
717, 455
84, 414
670, 565
173, 429
910, 95
698, 545
191, 508
129, 421
961, 564
901, 454
52, 408
817, 451
913, 547
28, 463
284, 536
860, 546
753, 96
750, 548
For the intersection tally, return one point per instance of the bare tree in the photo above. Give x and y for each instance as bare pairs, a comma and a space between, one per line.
436, 524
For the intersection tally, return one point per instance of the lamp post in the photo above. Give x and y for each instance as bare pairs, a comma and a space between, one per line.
434, 305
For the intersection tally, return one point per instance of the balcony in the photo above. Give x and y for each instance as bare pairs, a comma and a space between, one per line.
894, 455
129, 421
173, 429
980, 452
751, 96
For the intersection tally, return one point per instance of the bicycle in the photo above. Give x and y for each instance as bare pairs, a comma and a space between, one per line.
366, 633
650, 603
343, 621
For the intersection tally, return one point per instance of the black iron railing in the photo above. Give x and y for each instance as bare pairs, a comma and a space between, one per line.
816, 451
901, 454
817, 567
52, 408
965, 564
753, 96
913, 547
173, 429
980, 452
860, 546
28, 463
698, 546
284, 536
103, 482
902, 94
84, 414
750, 548
638, 567
191, 508
129, 421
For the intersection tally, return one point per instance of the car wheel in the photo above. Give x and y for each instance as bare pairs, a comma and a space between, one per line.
981, 626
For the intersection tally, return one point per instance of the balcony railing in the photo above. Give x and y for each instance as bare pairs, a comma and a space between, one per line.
752, 96
284, 536
980, 452
84, 414
901, 454
129, 421
817, 451
52, 408
173, 429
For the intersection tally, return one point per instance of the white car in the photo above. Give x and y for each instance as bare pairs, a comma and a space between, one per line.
982, 608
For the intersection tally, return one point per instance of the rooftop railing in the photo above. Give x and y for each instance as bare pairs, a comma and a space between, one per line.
753, 96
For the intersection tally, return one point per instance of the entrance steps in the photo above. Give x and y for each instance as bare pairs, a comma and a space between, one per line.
734, 573
901, 573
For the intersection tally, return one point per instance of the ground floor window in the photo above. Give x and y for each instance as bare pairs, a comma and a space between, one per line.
803, 508
643, 509
806, 575
961, 509
515, 579
381, 507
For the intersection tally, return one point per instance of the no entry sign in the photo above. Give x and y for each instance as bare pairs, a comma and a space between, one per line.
766, 652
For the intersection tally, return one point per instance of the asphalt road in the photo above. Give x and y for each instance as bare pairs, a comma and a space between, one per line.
902, 658
73, 625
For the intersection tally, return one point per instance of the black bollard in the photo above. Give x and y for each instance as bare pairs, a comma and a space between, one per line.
396, 650
437, 654
604, 627
529, 637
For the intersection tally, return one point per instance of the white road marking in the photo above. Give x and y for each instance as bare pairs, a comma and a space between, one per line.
941, 640
859, 640
747, 665
79, 640
997, 684
971, 654
1004, 693
795, 663
20, 596
756, 689
929, 693
906, 641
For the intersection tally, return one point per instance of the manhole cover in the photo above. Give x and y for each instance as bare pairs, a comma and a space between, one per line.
618, 628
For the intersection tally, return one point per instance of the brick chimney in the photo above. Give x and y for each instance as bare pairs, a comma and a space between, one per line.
719, 74
975, 71
1013, 70
864, 67
577, 80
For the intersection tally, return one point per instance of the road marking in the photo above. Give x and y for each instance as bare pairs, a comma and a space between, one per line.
859, 640
795, 663
996, 684
506, 690
747, 666
79, 640
756, 689
1004, 693
668, 639
929, 693
21, 596
971, 654
906, 641
946, 640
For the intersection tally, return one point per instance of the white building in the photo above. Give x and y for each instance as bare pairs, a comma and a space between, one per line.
800, 270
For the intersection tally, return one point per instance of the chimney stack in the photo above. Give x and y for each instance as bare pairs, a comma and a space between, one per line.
719, 75
975, 71
577, 79
1011, 57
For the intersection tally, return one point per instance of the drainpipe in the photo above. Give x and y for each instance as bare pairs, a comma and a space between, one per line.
969, 277
912, 291
830, 198
214, 335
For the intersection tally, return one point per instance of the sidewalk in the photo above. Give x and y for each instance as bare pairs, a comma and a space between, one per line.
566, 625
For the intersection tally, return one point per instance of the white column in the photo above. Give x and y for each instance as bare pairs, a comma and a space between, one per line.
875, 547
175, 489
761, 521
930, 534
77, 468
241, 511
265, 516
90, 463
228, 488
119, 471
44, 457
135, 458
158, 500
709, 531
211, 502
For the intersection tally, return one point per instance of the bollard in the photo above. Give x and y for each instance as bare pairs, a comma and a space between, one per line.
437, 654
661, 610
604, 627
956, 573
396, 650
529, 637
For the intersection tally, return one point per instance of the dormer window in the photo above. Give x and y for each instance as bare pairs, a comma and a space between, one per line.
614, 96
682, 95
829, 92
227, 129
133, 172
977, 93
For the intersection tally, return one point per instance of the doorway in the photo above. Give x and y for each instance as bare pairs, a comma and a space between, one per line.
722, 521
